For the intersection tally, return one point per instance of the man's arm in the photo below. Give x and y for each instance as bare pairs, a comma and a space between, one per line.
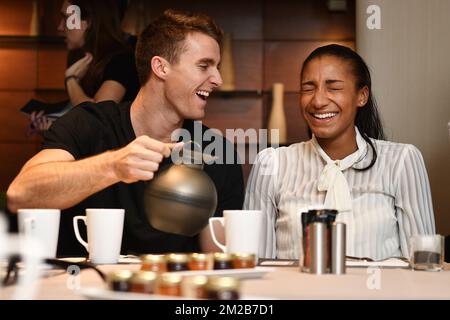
53, 179
109, 90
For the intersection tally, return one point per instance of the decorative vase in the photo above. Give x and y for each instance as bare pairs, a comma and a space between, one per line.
227, 64
34, 23
277, 118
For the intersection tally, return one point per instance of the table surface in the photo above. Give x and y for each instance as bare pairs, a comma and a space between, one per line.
283, 283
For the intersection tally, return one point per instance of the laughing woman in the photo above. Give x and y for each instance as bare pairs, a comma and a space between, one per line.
380, 188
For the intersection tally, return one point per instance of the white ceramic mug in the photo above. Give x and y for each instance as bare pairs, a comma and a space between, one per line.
30, 251
41, 225
104, 232
243, 231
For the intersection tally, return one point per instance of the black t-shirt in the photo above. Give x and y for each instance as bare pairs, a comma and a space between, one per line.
122, 68
90, 129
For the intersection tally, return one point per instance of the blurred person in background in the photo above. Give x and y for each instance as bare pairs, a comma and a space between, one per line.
101, 57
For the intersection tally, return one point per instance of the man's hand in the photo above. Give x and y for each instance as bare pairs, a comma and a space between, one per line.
140, 159
79, 68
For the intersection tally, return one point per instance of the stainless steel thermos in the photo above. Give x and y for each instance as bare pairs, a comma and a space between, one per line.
318, 247
323, 243
338, 243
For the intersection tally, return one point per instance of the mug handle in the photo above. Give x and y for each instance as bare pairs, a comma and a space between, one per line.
211, 229
77, 232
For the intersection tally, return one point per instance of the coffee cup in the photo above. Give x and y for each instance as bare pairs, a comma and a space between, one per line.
104, 233
243, 231
41, 225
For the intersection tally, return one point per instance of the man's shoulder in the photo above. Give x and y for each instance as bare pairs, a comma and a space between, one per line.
95, 110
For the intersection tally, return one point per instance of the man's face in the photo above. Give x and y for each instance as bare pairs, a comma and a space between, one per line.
194, 76
74, 38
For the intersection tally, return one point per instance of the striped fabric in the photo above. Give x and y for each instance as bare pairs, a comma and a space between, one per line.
390, 202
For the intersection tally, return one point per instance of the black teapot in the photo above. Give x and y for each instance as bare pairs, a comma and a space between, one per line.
181, 198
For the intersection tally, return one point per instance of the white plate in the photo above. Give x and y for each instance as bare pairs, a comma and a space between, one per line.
122, 259
387, 263
20, 265
251, 273
105, 294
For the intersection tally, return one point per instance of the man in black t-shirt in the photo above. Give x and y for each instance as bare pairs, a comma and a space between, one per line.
99, 155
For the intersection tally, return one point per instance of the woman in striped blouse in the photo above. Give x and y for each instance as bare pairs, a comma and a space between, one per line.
380, 188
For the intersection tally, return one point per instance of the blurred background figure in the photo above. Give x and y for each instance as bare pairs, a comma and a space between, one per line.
101, 57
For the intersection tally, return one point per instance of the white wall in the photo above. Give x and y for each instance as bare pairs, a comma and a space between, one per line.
410, 63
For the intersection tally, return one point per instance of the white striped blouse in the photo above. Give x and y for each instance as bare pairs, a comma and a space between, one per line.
390, 202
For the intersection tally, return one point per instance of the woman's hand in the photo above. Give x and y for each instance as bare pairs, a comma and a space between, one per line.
39, 122
79, 68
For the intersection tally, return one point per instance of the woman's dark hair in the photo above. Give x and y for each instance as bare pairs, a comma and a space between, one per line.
367, 117
103, 38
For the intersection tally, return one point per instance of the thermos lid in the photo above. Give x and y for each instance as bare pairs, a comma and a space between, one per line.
143, 277
327, 216
222, 283
153, 258
121, 275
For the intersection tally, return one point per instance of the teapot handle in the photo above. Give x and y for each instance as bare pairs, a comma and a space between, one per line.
192, 156
211, 229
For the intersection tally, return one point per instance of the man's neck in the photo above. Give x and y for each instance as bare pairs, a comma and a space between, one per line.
341, 147
150, 116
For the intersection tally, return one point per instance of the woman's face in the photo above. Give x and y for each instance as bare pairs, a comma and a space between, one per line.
329, 98
74, 37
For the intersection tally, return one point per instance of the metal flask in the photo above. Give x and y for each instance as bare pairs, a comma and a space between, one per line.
182, 197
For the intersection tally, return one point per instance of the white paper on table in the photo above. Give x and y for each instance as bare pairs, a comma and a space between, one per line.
388, 263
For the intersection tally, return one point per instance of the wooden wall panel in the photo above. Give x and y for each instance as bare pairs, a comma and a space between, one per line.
307, 20
241, 18
51, 96
283, 60
14, 123
234, 113
17, 69
297, 127
51, 67
12, 158
248, 64
15, 17
50, 11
